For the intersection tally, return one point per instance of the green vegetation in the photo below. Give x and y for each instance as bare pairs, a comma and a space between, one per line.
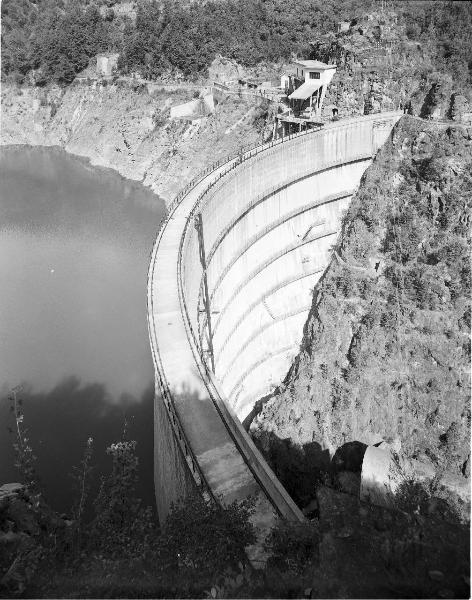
120, 551
52, 40
56, 38
293, 546
444, 27
188, 38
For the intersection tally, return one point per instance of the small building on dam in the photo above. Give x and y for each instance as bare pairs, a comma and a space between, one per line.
230, 286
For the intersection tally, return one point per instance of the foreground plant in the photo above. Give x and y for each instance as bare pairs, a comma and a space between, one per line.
25, 458
207, 537
122, 527
82, 479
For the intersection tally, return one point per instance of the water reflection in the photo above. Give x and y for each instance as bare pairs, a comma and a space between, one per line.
60, 421
74, 251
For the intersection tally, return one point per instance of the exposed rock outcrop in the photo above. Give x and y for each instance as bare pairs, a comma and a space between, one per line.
126, 126
381, 68
387, 357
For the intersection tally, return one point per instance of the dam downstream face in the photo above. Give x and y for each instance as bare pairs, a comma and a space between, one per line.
267, 231
262, 297
230, 284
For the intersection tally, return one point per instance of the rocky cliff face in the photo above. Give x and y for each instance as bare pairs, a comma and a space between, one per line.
386, 348
125, 127
381, 68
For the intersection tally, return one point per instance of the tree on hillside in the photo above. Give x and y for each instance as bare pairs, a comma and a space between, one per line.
187, 37
66, 46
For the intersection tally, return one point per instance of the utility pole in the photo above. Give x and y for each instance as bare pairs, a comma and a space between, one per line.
206, 296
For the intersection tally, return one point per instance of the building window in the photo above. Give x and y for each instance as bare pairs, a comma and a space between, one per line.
302, 73
314, 75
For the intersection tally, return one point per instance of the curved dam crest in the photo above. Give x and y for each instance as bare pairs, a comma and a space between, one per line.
230, 286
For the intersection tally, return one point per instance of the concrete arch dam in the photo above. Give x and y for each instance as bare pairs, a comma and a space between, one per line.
229, 290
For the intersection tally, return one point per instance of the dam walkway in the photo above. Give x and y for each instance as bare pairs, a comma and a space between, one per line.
200, 442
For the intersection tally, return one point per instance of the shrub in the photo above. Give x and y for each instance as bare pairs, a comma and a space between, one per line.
293, 545
412, 496
25, 458
159, 118
82, 478
122, 528
207, 537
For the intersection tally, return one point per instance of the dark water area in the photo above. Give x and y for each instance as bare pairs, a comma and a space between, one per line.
75, 242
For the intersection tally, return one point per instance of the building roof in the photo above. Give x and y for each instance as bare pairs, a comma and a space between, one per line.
306, 90
314, 64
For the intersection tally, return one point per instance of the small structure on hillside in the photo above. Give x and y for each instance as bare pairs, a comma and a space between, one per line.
195, 109
343, 26
107, 64
305, 89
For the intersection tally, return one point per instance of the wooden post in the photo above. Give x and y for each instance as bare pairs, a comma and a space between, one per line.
206, 297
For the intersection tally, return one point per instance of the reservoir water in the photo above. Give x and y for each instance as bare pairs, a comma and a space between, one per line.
75, 242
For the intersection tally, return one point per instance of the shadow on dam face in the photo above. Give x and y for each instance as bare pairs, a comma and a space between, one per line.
235, 292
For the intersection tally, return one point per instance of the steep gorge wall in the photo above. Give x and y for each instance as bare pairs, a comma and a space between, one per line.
386, 348
380, 67
240, 204
126, 127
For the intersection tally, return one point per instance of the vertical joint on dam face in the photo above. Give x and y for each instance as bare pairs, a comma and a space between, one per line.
228, 300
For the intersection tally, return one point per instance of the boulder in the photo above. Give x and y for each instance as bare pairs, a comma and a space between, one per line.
10, 491
22, 514
457, 484
384, 470
11, 488
349, 457
436, 101
466, 468
459, 109
224, 70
